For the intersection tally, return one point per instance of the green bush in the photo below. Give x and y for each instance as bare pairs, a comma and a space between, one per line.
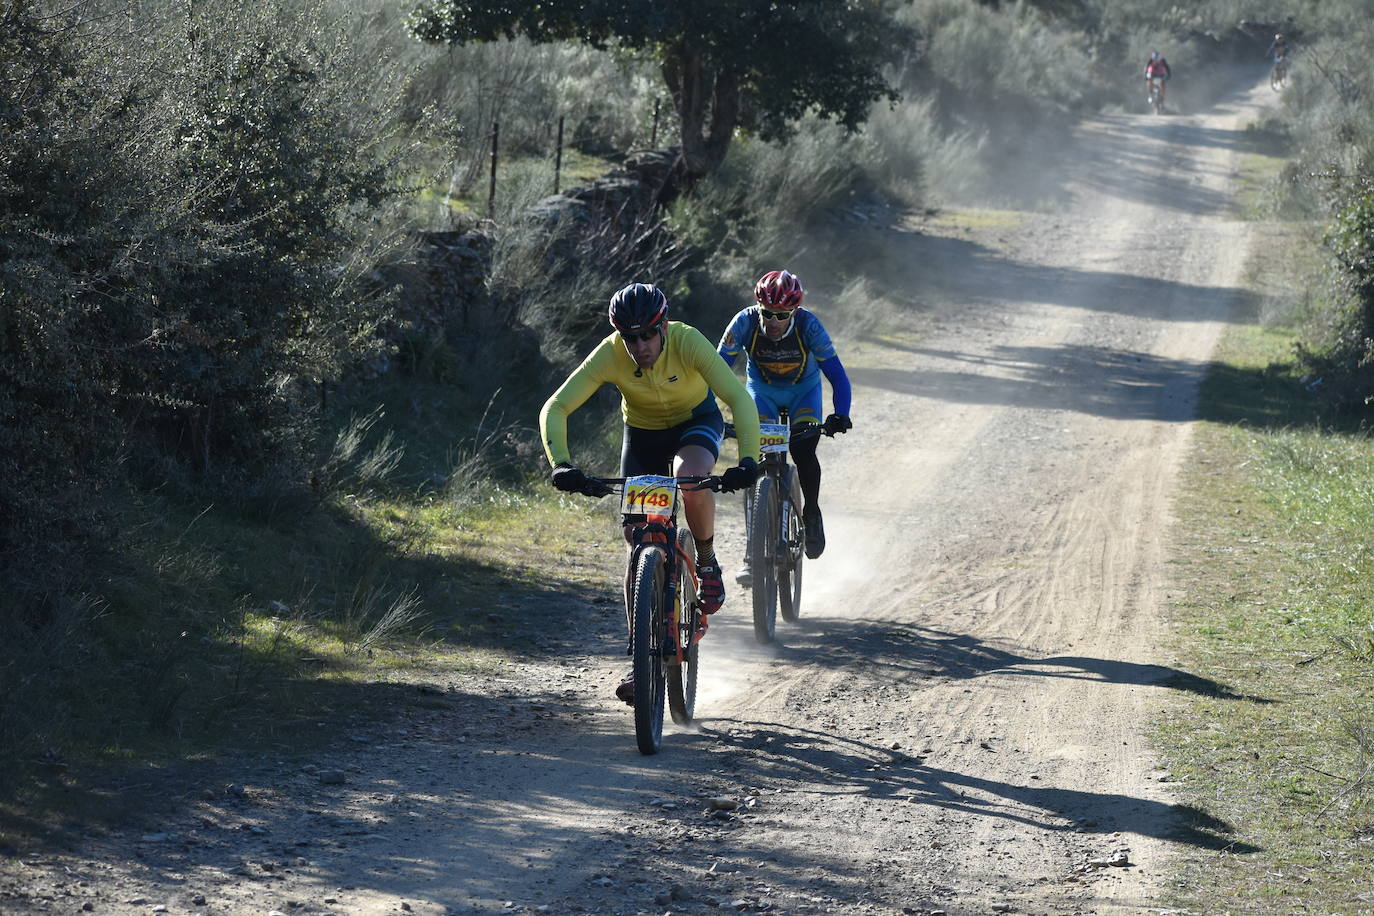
1338, 346
196, 292
191, 210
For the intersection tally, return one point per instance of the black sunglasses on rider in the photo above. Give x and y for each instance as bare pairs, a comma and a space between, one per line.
631, 337
774, 316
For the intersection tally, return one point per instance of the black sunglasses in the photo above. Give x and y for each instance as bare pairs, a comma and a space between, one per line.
774, 316
630, 337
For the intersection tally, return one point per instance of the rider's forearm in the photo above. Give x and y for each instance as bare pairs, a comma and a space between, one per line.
728, 388
840, 391
553, 421
553, 418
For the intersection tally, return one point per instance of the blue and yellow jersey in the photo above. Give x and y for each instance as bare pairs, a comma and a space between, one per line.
793, 360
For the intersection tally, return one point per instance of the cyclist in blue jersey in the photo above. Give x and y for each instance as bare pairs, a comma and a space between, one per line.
787, 351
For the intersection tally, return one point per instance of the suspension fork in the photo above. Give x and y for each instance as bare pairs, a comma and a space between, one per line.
670, 578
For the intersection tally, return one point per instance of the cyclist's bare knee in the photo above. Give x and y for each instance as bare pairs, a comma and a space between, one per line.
693, 461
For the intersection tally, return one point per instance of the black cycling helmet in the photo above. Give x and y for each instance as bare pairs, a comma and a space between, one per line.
638, 307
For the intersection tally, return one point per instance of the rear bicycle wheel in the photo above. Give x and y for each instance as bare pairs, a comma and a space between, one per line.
763, 558
682, 678
649, 627
791, 551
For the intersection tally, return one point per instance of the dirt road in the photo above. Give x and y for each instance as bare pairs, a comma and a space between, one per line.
956, 725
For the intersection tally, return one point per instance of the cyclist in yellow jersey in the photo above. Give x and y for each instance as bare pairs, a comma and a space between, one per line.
666, 372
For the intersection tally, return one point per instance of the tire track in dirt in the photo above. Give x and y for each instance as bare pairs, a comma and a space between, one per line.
1036, 527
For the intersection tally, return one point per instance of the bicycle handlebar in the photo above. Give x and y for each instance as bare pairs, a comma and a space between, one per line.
799, 430
708, 482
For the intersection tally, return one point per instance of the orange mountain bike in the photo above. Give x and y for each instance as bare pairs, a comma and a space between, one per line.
665, 619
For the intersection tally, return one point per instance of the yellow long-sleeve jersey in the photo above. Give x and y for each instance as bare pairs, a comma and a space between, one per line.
687, 372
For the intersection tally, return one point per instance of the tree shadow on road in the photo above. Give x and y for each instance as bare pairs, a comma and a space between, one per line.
964, 270
767, 752
887, 651
1127, 384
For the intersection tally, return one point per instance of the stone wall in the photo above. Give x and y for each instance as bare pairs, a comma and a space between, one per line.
445, 292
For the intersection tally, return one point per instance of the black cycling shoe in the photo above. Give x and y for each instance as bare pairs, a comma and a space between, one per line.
815, 532
626, 691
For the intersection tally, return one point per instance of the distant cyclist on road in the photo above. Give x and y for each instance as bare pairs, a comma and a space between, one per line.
1278, 50
1278, 55
787, 350
1157, 68
666, 372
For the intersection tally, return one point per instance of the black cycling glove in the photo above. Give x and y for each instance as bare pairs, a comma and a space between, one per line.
571, 480
742, 475
837, 423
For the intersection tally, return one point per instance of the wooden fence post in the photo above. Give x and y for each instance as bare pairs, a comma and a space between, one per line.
491, 192
558, 156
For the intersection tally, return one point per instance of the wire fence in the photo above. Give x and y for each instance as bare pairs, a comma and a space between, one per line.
495, 153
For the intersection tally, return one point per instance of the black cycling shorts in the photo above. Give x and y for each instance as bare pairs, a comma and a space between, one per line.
651, 451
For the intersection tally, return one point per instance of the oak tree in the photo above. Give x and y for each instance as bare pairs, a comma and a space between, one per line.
759, 64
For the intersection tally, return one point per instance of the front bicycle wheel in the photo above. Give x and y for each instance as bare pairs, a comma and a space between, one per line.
682, 678
649, 628
791, 551
763, 558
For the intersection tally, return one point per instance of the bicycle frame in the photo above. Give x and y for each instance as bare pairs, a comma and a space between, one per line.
654, 531
662, 611
1156, 93
775, 463
651, 534
774, 533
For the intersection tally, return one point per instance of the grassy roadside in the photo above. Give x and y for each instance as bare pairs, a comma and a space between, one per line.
1273, 599
377, 605
273, 623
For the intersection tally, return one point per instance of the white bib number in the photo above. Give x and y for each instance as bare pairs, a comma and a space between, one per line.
649, 495
773, 437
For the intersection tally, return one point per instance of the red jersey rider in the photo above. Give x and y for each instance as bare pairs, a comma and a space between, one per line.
1157, 68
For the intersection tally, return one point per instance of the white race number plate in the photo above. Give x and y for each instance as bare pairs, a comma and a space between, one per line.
649, 495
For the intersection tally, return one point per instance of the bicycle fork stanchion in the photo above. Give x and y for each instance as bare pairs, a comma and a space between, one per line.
791, 546
682, 652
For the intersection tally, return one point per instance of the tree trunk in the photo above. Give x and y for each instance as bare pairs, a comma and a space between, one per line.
703, 146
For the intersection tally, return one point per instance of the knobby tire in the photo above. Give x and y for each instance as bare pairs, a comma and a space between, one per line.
648, 631
682, 679
763, 560
791, 551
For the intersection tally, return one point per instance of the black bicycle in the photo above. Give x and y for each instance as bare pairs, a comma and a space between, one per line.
776, 535
1278, 74
666, 623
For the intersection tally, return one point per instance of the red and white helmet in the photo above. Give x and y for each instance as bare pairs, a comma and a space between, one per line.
779, 289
